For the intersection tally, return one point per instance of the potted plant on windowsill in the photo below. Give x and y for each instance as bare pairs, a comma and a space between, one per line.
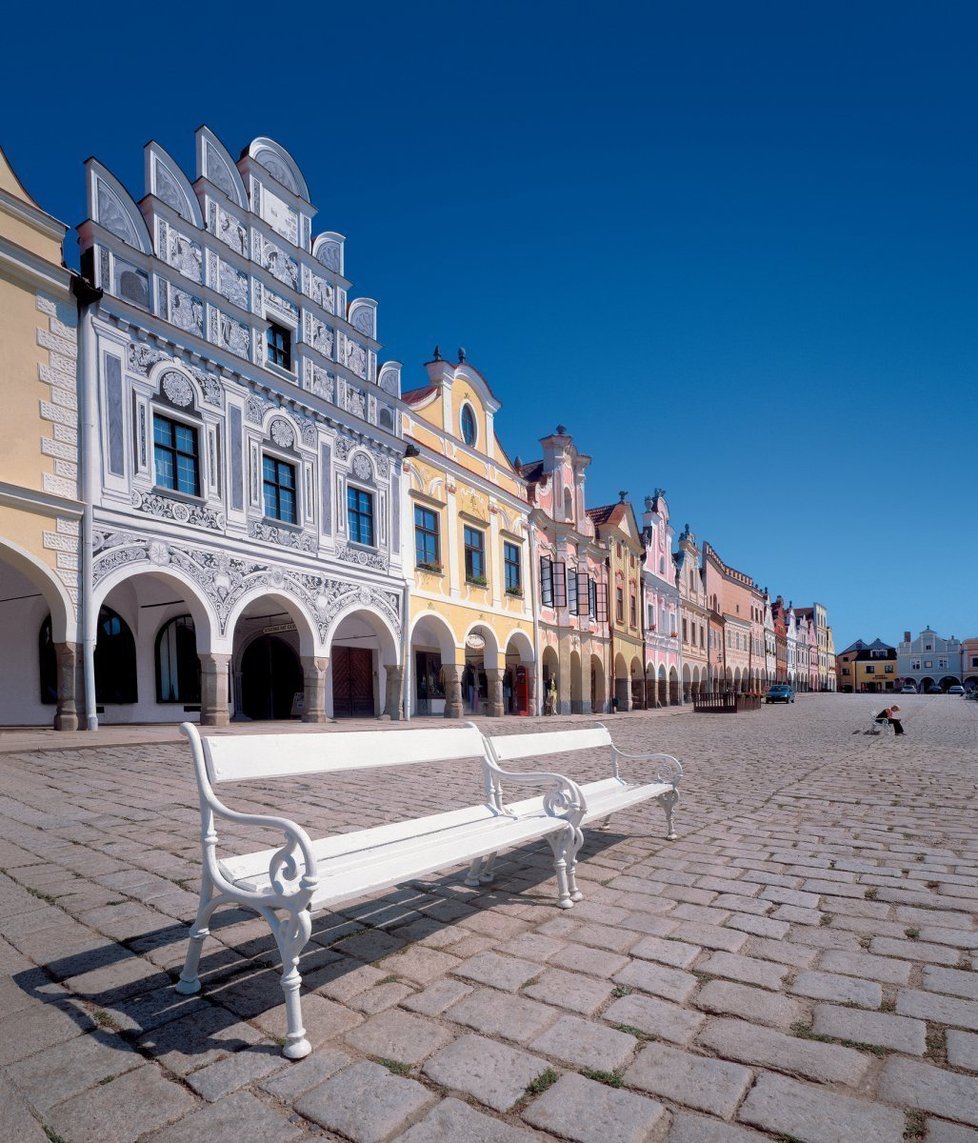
430, 566
516, 592
477, 580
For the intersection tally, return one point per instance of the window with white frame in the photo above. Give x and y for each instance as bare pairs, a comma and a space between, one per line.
176, 455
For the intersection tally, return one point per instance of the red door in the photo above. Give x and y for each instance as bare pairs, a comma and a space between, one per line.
353, 683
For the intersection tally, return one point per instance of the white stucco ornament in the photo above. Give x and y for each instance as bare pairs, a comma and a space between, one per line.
177, 388
361, 467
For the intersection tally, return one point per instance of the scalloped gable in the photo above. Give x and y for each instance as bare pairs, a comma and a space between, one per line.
279, 164
215, 164
169, 184
327, 248
112, 207
362, 315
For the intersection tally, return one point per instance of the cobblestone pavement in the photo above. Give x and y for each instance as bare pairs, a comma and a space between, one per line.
801, 964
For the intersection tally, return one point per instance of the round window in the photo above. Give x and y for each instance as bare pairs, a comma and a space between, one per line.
468, 425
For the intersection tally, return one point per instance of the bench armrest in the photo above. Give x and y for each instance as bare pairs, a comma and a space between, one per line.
667, 768
565, 799
292, 886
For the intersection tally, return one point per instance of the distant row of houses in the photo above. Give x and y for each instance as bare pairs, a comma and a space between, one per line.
925, 662
217, 502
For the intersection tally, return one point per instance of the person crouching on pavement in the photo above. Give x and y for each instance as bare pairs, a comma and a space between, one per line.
892, 715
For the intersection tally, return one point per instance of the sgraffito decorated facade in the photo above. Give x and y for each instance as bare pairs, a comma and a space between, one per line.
246, 548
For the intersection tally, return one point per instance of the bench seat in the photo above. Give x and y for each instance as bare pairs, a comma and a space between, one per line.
357, 864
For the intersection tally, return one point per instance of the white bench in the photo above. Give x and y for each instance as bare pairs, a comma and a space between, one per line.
603, 797
288, 884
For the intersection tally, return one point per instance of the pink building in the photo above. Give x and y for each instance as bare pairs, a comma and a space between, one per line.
660, 606
730, 593
571, 581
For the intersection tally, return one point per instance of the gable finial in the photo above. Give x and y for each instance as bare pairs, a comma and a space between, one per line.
561, 430
437, 354
621, 496
461, 355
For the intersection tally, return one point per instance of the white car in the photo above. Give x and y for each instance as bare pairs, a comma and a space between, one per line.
908, 689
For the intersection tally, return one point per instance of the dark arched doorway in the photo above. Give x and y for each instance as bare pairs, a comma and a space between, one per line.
270, 678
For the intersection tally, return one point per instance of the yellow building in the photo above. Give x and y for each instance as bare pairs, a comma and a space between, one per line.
40, 511
617, 528
472, 633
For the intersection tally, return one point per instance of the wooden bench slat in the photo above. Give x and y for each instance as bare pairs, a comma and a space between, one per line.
509, 747
235, 758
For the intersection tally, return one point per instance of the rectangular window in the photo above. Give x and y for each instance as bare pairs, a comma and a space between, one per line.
560, 583
619, 605
632, 610
915, 665
870, 669
278, 487
175, 452
360, 516
572, 591
475, 555
278, 346
426, 538
583, 594
650, 622
845, 670
600, 601
685, 639
928, 662
888, 669
512, 569
702, 643
546, 581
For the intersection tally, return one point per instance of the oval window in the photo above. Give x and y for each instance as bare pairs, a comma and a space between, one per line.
468, 425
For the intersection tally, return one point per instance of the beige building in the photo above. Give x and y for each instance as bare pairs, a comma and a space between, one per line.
695, 614
618, 529
471, 610
40, 510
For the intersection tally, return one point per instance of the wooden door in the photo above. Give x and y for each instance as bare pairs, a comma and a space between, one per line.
353, 683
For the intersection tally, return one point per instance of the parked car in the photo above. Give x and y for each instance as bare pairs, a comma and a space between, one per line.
908, 689
780, 692
955, 690
933, 689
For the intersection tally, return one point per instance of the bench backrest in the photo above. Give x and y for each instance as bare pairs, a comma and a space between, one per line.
234, 758
507, 747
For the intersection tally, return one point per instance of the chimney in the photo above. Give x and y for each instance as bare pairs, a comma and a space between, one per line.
906, 636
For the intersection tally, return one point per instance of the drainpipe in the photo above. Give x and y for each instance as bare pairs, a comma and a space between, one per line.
679, 640
406, 651
534, 571
87, 296
612, 705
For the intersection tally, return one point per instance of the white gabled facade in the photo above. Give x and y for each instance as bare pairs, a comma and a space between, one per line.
245, 451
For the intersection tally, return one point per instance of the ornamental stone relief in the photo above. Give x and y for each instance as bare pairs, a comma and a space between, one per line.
224, 580
285, 537
216, 170
318, 381
186, 311
356, 402
356, 358
112, 216
321, 293
329, 254
363, 320
282, 433
319, 336
279, 264
376, 560
233, 284
167, 189
361, 467
177, 388
229, 229
184, 254
255, 408
232, 335
163, 508
280, 305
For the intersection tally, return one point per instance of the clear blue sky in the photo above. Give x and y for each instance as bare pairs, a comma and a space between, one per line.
731, 246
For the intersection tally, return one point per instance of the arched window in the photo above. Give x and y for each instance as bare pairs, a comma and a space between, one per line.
177, 665
469, 430
115, 660
47, 662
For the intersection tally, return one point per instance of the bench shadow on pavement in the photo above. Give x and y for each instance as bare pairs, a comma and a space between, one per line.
121, 992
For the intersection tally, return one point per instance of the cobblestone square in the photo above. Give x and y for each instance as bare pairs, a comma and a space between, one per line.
800, 963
